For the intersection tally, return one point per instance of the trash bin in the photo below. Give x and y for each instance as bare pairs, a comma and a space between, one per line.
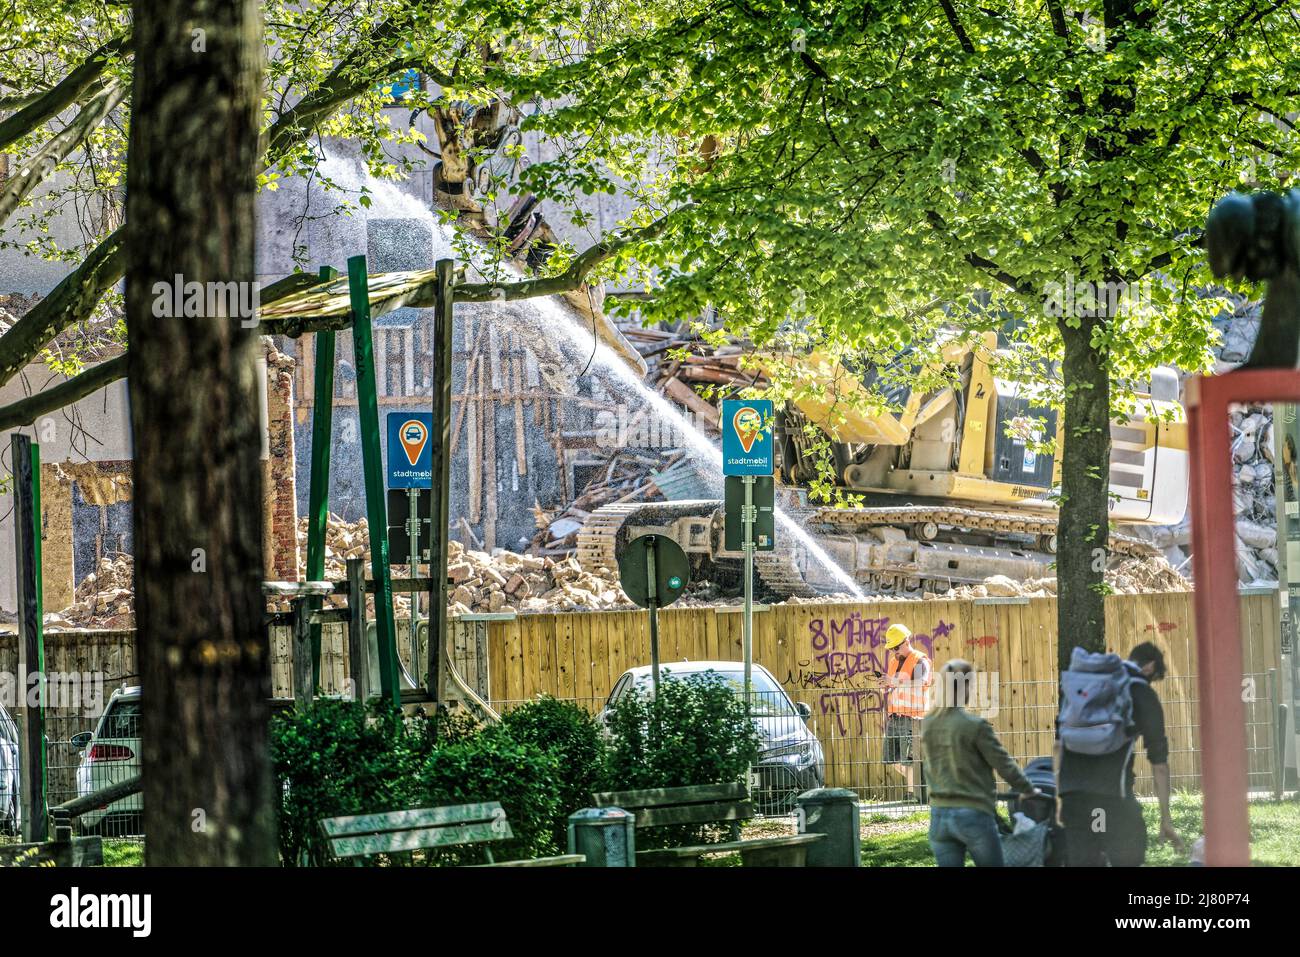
607, 835
835, 813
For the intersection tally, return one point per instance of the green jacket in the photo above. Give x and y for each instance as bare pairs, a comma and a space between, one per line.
961, 752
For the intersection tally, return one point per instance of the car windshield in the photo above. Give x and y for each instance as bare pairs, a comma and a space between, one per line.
769, 699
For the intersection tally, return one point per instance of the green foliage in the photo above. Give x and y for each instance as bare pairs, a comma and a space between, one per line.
340, 757
571, 734
492, 766
695, 731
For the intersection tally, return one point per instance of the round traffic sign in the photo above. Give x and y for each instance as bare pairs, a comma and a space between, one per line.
672, 570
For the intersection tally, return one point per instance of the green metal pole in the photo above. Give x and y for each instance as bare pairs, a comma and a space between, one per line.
373, 465
322, 430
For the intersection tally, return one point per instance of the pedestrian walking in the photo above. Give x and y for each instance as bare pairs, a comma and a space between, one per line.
962, 753
1106, 705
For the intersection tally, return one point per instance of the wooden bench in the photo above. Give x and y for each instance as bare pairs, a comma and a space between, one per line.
706, 804
396, 832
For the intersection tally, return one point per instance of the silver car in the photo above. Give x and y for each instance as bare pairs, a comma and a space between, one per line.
790, 759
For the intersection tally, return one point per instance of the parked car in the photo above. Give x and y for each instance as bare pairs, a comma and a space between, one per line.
790, 758
109, 754
10, 783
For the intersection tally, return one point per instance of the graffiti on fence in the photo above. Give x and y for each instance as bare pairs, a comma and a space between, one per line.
1162, 626
845, 652
983, 641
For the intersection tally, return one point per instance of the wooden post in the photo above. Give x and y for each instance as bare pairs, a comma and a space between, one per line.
322, 428
358, 656
24, 457
304, 686
373, 466
440, 475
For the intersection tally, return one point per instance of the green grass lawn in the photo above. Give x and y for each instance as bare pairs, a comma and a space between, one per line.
123, 853
1274, 831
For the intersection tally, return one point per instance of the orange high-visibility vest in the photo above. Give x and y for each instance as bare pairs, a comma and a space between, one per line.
907, 697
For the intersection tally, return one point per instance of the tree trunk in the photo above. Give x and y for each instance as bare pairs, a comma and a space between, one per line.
1085, 503
194, 415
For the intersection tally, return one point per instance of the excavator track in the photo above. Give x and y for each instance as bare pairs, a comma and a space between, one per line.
858, 519
780, 571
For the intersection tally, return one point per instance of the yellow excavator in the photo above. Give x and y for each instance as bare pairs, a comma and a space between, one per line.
956, 484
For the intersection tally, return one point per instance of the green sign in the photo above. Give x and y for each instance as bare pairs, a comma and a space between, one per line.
764, 515
671, 570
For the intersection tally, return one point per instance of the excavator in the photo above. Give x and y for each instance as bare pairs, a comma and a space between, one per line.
954, 485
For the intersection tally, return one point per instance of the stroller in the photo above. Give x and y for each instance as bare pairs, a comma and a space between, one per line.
1037, 842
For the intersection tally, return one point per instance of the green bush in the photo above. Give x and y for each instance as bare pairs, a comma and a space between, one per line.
572, 735
492, 766
340, 757
695, 731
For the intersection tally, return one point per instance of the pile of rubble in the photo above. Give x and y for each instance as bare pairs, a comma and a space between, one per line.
104, 599
1132, 576
506, 581
479, 582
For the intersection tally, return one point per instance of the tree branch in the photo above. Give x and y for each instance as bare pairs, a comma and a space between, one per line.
957, 28
28, 410
37, 168
72, 299
423, 296
67, 92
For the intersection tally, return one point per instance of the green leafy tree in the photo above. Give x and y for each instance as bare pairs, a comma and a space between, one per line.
853, 176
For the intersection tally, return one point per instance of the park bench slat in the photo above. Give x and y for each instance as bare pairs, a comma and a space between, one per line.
693, 813
731, 847
561, 860
389, 842
691, 794
415, 818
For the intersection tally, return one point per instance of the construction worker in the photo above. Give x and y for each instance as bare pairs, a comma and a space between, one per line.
907, 683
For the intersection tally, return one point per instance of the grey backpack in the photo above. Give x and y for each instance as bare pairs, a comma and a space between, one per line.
1096, 704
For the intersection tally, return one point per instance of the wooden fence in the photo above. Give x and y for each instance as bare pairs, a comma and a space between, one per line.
823, 654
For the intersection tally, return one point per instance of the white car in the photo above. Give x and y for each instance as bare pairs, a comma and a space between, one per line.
109, 754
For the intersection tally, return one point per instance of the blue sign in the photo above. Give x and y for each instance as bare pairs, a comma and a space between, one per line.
410, 456
747, 437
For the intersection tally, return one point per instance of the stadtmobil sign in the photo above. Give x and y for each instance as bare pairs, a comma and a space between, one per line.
747, 437
410, 456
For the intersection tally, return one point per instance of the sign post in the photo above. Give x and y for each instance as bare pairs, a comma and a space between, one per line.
410, 467
654, 571
747, 446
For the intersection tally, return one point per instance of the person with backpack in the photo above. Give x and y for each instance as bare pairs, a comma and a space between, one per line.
962, 752
1106, 705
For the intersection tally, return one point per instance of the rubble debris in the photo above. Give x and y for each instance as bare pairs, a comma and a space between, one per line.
1131, 576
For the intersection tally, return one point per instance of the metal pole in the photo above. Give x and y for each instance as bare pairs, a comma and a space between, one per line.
322, 428
440, 466
413, 536
747, 622
1218, 628
373, 466
652, 603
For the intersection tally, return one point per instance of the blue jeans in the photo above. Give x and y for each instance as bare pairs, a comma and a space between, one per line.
956, 830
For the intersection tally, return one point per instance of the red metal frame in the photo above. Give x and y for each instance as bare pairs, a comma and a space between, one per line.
1218, 624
